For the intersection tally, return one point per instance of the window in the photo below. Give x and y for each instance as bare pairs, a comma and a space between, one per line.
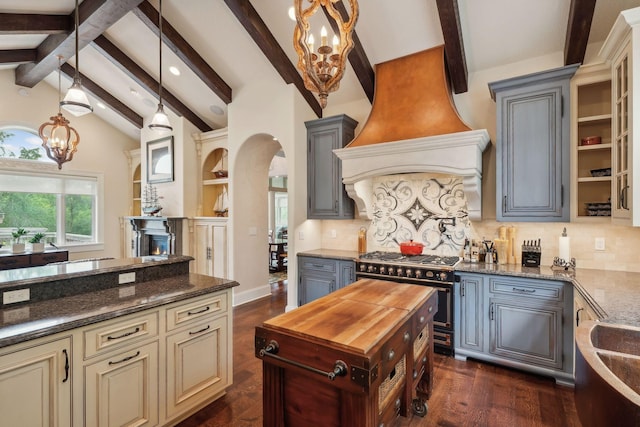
62, 205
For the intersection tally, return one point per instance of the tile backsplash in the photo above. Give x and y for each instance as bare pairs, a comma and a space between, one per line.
427, 208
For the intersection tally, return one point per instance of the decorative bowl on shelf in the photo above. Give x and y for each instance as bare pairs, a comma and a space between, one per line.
591, 140
601, 172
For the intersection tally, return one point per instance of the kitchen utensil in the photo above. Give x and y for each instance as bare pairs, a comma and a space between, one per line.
411, 248
601, 172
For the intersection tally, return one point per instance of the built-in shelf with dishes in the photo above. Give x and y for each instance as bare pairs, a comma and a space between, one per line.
591, 137
215, 180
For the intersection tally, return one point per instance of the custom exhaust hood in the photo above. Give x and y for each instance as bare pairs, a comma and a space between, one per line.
413, 127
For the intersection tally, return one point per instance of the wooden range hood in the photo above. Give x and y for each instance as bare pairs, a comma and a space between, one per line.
413, 127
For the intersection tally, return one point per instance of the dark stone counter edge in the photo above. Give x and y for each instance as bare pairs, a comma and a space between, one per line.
98, 267
135, 306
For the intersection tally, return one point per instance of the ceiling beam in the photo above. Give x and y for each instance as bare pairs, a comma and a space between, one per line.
357, 57
144, 79
104, 96
453, 44
95, 17
578, 29
31, 23
259, 32
149, 16
16, 56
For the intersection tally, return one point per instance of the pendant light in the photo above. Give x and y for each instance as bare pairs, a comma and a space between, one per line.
160, 121
76, 101
58, 138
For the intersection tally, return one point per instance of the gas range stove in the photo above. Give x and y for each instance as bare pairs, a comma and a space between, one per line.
417, 267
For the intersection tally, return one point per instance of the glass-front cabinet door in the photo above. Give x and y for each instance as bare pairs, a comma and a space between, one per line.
622, 194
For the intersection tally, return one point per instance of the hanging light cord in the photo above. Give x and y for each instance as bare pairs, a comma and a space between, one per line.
160, 51
77, 37
59, 83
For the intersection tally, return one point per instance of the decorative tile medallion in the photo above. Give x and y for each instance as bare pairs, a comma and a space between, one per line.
427, 208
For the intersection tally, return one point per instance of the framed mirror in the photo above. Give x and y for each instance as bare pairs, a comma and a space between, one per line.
160, 160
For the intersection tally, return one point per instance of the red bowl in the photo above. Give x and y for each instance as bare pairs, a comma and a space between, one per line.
411, 248
591, 140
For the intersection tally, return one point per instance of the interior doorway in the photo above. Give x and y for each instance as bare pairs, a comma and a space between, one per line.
278, 220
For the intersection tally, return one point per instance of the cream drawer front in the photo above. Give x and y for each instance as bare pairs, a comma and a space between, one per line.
115, 334
182, 314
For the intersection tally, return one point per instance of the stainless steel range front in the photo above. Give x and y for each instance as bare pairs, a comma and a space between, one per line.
427, 270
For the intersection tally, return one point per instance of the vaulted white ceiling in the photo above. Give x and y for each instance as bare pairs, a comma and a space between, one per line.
495, 33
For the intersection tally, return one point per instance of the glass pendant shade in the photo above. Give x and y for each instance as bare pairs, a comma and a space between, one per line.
76, 101
160, 121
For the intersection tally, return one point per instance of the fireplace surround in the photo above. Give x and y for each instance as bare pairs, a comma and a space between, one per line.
156, 235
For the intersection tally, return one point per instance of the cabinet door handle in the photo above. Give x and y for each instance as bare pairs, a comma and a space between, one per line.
191, 313
528, 291
126, 334
504, 204
491, 312
623, 198
578, 316
66, 365
201, 330
125, 359
208, 253
461, 289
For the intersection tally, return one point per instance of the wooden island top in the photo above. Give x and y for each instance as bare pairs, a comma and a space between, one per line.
360, 357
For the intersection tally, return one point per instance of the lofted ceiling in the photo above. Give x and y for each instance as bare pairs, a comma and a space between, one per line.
219, 45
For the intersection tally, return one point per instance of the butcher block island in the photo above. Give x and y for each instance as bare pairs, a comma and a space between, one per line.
358, 357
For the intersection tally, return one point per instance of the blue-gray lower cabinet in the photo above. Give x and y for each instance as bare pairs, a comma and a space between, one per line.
517, 322
321, 276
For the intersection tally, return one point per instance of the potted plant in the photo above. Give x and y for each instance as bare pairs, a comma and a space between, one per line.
18, 245
37, 245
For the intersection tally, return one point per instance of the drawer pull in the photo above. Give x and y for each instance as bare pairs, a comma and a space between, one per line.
126, 334
422, 319
66, 366
530, 291
391, 355
125, 359
339, 368
201, 330
406, 337
204, 310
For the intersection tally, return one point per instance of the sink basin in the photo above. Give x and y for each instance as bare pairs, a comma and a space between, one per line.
607, 386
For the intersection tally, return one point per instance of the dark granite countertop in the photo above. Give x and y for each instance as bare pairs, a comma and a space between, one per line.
613, 295
25, 321
70, 269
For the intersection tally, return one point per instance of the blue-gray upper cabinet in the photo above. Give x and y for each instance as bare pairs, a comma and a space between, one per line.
327, 197
532, 141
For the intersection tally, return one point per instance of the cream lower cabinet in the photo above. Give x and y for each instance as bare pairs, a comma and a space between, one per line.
151, 368
35, 384
209, 237
122, 389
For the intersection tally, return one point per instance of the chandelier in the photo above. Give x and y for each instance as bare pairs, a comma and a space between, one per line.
322, 70
58, 138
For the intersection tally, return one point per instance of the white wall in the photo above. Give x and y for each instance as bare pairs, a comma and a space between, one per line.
101, 149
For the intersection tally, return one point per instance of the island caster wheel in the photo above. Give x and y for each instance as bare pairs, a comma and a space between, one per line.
419, 407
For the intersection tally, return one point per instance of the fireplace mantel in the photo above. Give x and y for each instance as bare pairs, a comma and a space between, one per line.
147, 229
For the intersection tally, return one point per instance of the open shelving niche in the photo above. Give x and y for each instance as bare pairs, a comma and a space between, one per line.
210, 147
591, 116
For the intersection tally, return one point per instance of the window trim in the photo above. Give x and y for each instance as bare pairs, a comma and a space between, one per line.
31, 167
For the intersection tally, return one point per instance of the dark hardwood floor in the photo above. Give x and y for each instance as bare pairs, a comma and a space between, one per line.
465, 393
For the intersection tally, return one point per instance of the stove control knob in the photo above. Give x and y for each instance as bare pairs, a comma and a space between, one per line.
370, 268
363, 267
383, 269
391, 271
443, 276
408, 272
429, 274
419, 274
399, 272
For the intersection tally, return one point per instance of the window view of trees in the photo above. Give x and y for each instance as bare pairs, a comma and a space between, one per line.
63, 208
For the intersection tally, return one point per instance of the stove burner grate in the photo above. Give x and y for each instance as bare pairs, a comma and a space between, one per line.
395, 257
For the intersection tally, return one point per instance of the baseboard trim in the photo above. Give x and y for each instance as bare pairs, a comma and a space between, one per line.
253, 294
